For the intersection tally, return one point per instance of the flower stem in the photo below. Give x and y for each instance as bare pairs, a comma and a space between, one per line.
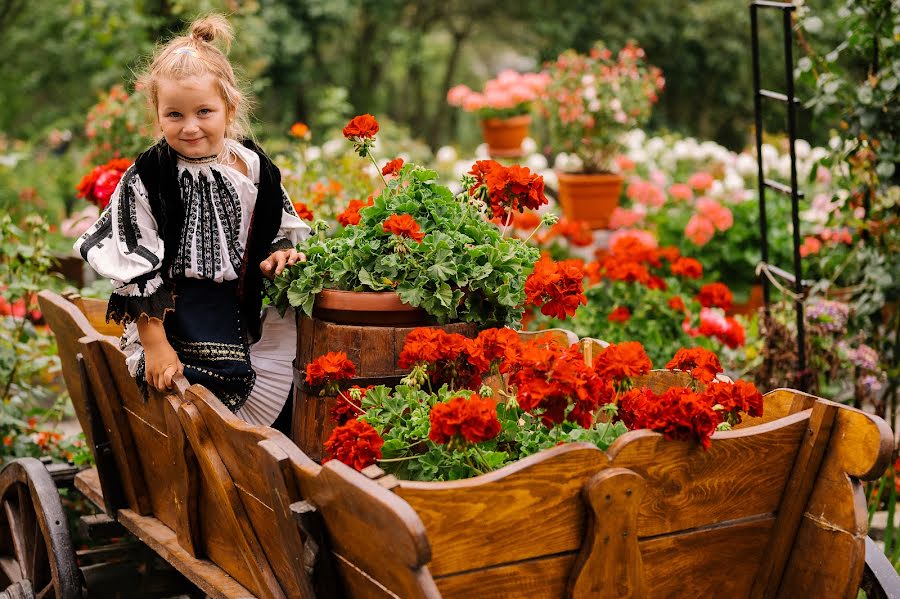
372, 158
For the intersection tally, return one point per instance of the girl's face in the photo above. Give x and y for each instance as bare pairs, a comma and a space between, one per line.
192, 115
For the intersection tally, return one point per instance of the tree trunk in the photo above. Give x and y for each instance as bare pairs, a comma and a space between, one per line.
438, 131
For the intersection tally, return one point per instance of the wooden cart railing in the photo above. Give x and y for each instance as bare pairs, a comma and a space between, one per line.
772, 509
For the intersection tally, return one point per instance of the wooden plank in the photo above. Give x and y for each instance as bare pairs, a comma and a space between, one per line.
208, 577
88, 484
257, 460
742, 474
507, 502
793, 501
609, 564
185, 481
717, 561
95, 311
371, 528
540, 577
825, 563
778, 404
253, 570
117, 426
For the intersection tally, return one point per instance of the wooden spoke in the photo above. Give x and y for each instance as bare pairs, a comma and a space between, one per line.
35, 548
48, 592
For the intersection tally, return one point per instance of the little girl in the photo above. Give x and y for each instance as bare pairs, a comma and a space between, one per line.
191, 230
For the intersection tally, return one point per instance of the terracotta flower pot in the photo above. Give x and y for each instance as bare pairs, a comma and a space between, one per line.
367, 308
590, 198
504, 136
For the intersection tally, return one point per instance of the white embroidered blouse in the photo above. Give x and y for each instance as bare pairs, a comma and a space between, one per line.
125, 246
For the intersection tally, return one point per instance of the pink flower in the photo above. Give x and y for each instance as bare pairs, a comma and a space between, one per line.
701, 181
624, 163
823, 175
498, 99
699, 230
457, 95
622, 218
717, 214
646, 193
681, 191
658, 178
473, 102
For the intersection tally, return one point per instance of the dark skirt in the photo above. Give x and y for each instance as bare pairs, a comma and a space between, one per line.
207, 333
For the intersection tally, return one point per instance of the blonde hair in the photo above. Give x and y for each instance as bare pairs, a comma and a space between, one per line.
194, 55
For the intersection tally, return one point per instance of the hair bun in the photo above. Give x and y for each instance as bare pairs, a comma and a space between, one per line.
212, 28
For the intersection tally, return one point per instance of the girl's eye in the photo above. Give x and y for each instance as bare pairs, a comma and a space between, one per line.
205, 111
174, 115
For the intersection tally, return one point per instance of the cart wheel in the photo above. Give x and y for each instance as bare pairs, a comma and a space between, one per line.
36, 556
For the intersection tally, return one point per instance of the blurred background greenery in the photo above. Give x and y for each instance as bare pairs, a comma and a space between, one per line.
317, 61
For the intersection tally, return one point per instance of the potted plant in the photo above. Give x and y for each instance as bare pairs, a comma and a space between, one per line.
590, 101
504, 108
421, 246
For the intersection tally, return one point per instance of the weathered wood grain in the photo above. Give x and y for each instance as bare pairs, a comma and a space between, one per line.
538, 577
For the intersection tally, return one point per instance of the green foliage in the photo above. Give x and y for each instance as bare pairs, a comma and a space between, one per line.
30, 394
463, 269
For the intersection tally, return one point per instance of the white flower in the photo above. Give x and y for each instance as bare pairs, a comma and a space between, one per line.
594, 105
333, 147
567, 162
446, 155
529, 146
655, 146
770, 155
313, 153
460, 168
536, 162
802, 149
589, 93
549, 179
745, 165
615, 104
481, 152
733, 181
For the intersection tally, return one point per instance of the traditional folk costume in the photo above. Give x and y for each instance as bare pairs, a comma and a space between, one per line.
182, 239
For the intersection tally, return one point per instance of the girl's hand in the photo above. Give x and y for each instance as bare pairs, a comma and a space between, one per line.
161, 364
277, 261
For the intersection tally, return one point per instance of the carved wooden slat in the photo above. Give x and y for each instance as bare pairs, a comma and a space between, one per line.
609, 564
95, 311
370, 528
185, 483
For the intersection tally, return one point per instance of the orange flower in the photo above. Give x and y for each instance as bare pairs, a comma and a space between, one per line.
363, 126
300, 130
676, 303
687, 267
403, 225
473, 419
622, 361
557, 287
701, 363
620, 314
392, 167
351, 216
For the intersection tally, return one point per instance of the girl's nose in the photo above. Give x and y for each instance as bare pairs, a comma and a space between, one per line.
190, 125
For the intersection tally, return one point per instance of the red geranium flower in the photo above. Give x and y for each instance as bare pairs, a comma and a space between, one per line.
676, 303
392, 167
363, 126
577, 232
622, 361
445, 355
735, 398
355, 443
507, 189
403, 225
715, 295
687, 267
473, 420
557, 287
327, 370
351, 215
679, 414
347, 408
303, 211
620, 314
98, 185
490, 347
701, 363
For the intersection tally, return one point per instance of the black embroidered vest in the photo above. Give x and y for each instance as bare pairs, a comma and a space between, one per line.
157, 168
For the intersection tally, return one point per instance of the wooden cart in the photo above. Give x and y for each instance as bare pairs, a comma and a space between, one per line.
773, 509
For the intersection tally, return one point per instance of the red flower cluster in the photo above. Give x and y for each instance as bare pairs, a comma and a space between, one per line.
687, 267
346, 408
355, 443
446, 354
620, 361
550, 380
392, 167
492, 347
473, 420
350, 215
631, 260
619, 314
679, 414
576, 232
509, 189
701, 363
328, 369
714, 324
303, 211
363, 126
557, 287
735, 398
403, 225
715, 295
98, 185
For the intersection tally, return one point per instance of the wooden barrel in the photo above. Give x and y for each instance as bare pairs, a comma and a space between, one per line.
374, 350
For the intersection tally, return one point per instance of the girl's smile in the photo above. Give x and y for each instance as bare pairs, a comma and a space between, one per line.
192, 115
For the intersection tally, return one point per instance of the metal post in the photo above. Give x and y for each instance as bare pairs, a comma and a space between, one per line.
757, 109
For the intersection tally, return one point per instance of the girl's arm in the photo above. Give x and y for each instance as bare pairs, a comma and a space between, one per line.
292, 231
161, 361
